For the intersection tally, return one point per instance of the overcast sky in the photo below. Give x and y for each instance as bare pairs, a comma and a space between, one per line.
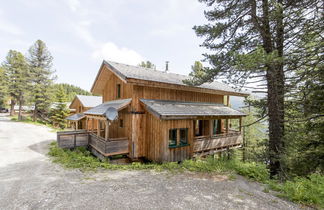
81, 33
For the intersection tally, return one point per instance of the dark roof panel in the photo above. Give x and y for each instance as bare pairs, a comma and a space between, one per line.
102, 108
75, 117
137, 72
185, 110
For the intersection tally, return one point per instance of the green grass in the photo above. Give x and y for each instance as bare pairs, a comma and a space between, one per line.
82, 159
29, 120
307, 191
304, 190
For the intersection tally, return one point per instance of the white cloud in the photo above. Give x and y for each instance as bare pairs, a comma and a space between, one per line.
110, 51
74, 5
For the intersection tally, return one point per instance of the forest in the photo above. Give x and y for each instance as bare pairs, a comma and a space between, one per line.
30, 80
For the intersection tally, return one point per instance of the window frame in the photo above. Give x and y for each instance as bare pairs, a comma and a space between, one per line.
121, 123
178, 143
118, 91
176, 137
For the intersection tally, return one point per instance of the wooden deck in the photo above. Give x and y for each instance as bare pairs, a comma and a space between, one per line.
72, 139
99, 146
205, 145
110, 147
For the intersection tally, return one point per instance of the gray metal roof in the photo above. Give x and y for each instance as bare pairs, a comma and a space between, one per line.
102, 108
186, 110
90, 101
75, 117
136, 72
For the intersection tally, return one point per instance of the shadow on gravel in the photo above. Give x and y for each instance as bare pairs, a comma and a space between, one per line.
41, 147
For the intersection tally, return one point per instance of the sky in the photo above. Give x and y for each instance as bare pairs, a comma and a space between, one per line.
81, 33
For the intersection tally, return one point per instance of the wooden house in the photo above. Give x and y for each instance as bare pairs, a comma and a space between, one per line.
80, 104
160, 118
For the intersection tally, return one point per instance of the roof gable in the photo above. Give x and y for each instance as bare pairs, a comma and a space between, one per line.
128, 72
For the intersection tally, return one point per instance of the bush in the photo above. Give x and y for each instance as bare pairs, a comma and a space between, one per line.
306, 190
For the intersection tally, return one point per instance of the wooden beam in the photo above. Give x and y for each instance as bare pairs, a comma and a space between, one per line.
211, 127
92, 126
106, 130
98, 127
227, 125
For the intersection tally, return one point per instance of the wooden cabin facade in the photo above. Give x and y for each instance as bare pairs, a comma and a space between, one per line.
80, 104
159, 117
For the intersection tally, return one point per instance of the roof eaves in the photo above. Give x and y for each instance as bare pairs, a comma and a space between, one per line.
114, 70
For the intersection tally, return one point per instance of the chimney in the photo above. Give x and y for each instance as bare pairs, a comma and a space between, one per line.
166, 66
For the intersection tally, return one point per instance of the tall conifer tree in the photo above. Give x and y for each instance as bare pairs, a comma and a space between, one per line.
40, 61
249, 41
17, 73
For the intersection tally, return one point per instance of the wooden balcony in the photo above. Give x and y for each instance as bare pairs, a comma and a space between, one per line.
204, 145
98, 145
110, 147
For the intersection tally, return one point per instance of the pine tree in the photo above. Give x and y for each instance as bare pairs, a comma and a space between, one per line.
60, 111
197, 74
147, 64
249, 41
40, 61
17, 73
3, 88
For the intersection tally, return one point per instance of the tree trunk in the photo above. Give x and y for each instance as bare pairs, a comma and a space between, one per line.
35, 112
12, 107
20, 106
276, 122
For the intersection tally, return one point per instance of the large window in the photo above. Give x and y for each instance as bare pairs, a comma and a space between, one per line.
173, 137
118, 90
178, 137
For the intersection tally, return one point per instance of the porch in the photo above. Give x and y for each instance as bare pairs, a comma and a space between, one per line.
207, 145
99, 146
216, 135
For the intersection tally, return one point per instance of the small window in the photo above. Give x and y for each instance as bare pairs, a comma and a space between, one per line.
121, 123
173, 137
183, 136
118, 90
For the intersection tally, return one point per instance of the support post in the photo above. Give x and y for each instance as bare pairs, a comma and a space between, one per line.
106, 130
240, 124
98, 127
76, 125
92, 126
227, 125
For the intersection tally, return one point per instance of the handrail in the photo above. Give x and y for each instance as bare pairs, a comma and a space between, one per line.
222, 135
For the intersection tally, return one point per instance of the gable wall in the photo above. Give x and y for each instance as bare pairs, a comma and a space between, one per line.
110, 89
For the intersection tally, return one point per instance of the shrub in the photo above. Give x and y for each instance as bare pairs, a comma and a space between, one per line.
306, 190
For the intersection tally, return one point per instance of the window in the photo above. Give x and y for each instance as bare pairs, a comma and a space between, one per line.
173, 137
216, 127
118, 90
183, 136
121, 123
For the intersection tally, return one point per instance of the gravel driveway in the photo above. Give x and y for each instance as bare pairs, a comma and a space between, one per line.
28, 180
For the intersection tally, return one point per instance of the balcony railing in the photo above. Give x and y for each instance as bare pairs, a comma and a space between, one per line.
112, 146
217, 142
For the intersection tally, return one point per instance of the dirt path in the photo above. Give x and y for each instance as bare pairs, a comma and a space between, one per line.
28, 180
